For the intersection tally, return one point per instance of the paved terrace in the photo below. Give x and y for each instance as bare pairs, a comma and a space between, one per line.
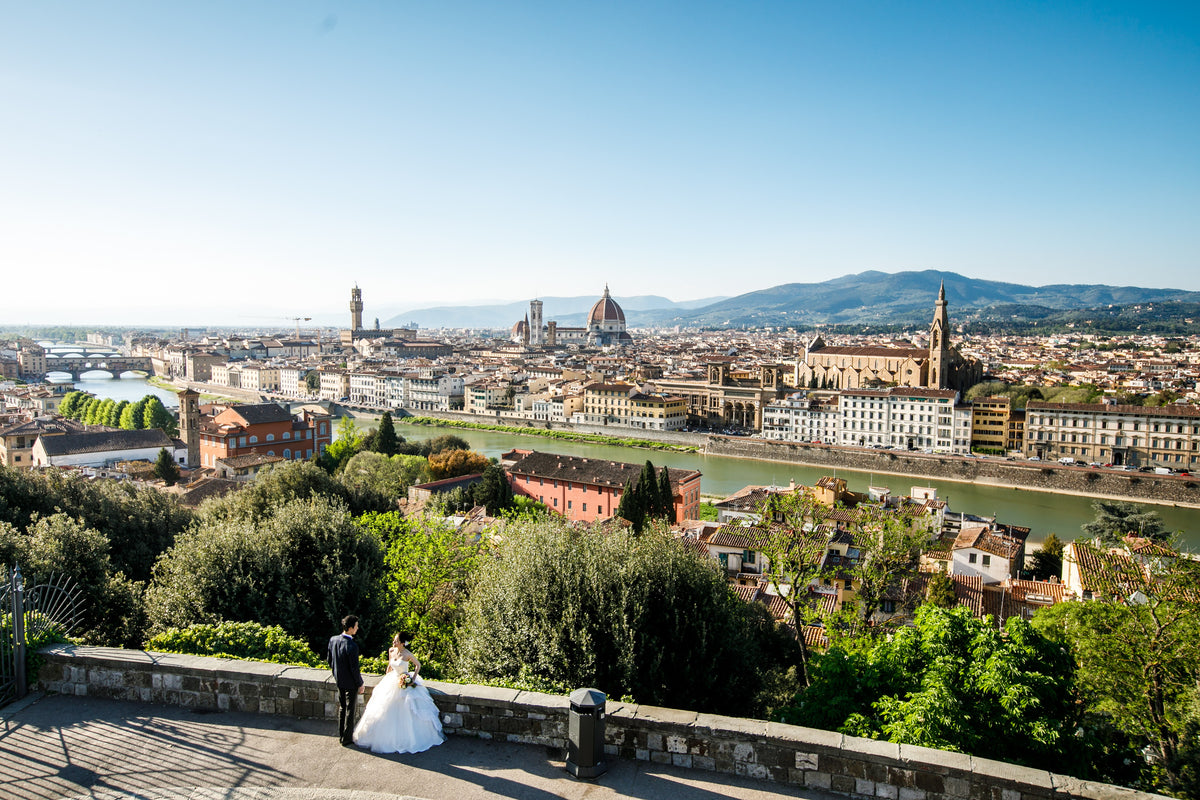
56, 746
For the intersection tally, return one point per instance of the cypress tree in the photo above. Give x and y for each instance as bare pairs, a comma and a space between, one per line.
385, 440
666, 496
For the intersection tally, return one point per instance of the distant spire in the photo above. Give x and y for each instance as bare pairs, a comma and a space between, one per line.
606, 290
942, 292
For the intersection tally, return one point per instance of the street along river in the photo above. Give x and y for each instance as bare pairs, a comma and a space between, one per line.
1041, 512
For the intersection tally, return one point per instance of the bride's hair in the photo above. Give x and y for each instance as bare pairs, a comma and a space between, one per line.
403, 637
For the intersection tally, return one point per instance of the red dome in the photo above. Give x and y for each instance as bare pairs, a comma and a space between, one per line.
605, 310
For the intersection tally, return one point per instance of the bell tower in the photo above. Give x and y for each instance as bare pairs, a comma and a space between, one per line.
189, 425
356, 307
939, 343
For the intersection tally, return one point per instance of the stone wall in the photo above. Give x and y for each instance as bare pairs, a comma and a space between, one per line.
666, 437
1046, 476
785, 754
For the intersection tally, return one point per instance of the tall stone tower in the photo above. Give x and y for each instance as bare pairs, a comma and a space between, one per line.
189, 425
536, 337
939, 343
356, 309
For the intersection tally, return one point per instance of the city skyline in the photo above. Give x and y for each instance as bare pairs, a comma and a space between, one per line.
239, 165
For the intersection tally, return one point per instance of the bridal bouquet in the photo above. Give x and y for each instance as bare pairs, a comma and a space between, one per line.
407, 679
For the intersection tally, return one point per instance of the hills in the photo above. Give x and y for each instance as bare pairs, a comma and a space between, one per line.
867, 298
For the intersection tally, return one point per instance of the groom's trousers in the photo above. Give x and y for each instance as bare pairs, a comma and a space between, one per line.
346, 702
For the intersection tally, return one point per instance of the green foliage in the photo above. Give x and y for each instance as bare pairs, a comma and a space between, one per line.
1115, 519
375, 481
1046, 562
155, 415
39, 632
133, 417
493, 490
138, 522
708, 512
302, 564
165, 468
112, 610
644, 500
242, 640
1138, 666
630, 615
347, 441
385, 438
276, 486
941, 590
429, 568
570, 436
951, 682
312, 381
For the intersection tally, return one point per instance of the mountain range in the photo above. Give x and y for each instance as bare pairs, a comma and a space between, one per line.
874, 298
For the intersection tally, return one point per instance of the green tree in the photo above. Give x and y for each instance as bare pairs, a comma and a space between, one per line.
493, 490
347, 441
1046, 561
1139, 661
165, 468
890, 547
376, 481
951, 682
91, 408
630, 507
385, 439
312, 381
155, 415
112, 612
940, 591
114, 417
447, 441
430, 565
105, 412
666, 496
71, 403
631, 615
303, 565
793, 557
133, 418
1116, 519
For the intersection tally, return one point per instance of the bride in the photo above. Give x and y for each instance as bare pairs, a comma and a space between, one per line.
400, 717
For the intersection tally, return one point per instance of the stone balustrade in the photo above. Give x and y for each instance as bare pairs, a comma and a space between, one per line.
786, 754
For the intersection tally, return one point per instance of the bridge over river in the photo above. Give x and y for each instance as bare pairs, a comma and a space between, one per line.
114, 365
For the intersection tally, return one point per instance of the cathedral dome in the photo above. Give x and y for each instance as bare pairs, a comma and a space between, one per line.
605, 311
520, 328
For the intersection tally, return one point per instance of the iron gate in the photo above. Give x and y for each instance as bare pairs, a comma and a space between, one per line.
26, 615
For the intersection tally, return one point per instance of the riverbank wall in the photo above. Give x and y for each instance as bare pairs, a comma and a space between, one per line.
1141, 487
680, 438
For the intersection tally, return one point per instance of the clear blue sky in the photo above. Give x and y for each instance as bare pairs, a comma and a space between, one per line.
237, 163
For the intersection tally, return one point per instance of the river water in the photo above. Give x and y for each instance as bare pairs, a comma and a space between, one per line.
1041, 512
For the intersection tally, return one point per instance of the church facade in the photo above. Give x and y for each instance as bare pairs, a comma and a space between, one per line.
939, 366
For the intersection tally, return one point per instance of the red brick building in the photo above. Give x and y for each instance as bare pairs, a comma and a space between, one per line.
264, 428
588, 489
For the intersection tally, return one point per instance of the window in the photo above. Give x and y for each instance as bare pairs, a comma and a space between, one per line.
287, 453
270, 437
887, 606
987, 561
747, 557
971, 558
585, 508
253, 440
569, 504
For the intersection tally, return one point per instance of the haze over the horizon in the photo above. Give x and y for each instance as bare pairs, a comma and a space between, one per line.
238, 164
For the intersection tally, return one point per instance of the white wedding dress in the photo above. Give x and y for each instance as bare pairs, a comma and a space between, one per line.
399, 720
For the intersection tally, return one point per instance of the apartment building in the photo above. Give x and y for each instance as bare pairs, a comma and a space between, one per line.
1123, 435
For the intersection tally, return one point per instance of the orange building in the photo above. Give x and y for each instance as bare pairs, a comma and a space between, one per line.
588, 489
264, 428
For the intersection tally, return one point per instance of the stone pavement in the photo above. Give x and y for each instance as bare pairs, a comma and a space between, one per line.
57, 746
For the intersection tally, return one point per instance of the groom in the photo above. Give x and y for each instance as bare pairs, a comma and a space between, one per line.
343, 659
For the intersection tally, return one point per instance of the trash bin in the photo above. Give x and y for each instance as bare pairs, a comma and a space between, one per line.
585, 734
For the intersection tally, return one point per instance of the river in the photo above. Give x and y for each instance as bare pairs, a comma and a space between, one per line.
1041, 512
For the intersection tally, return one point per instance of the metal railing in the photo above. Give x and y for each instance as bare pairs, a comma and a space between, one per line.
27, 615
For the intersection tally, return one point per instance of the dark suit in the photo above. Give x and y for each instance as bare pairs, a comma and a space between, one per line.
343, 660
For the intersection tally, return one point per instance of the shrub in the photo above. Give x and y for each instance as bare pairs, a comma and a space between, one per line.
631, 615
243, 640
